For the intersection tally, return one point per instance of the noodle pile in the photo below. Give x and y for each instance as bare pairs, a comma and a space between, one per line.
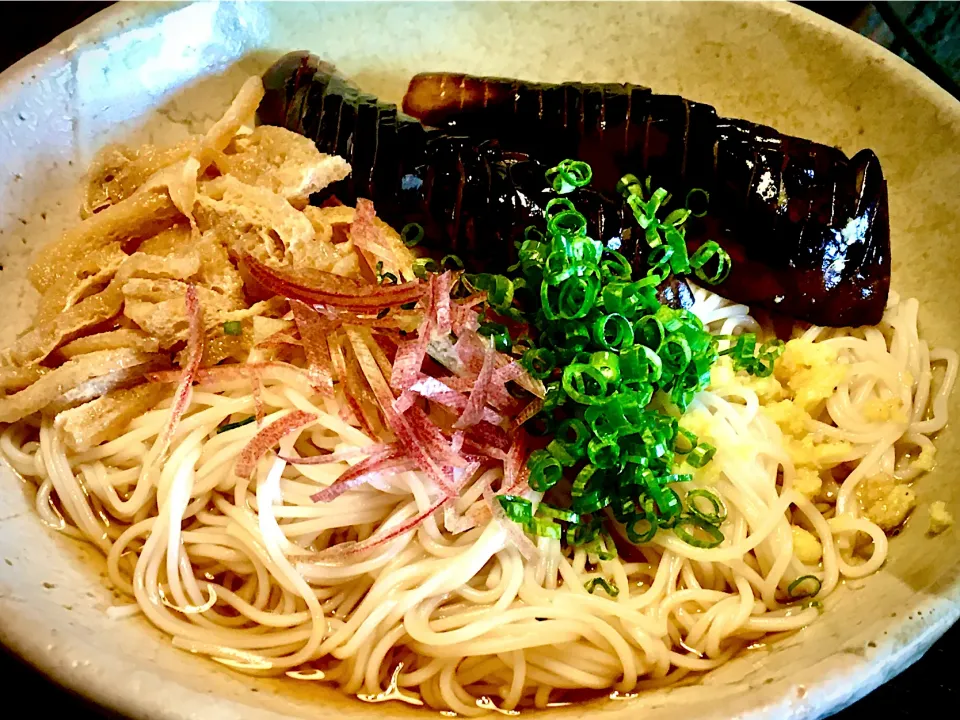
812, 466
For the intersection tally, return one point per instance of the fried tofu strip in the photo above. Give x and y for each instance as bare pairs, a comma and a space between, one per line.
52, 385
107, 417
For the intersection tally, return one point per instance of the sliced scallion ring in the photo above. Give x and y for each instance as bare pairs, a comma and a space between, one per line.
805, 586
694, 531
610, 588
715, 514
412, 234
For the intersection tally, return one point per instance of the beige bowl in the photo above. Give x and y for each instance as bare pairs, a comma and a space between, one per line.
151, 72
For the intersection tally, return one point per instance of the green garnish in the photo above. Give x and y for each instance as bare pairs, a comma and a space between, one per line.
666, 237
743, 350
539, 362
235, 425
411, 234
232, 327
619, 369
545, 522
701, 455
451, 262
569, 175
694, 531
499, 333
424, 266
805, 586
698, 200
384, 278
712, 511
610, 588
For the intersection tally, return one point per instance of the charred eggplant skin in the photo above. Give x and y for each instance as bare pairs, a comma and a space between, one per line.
807, 228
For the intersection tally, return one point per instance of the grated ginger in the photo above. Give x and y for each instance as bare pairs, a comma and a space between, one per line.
807, 482
814, 385
809, 371
885, 501
884, 410
809, 451
799, 354
767, 388
792, 419
806, 546
926, 459
940, 518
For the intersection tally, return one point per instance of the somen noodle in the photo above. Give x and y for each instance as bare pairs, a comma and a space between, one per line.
230, 567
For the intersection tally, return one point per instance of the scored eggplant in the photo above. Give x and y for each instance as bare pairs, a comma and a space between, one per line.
807, 228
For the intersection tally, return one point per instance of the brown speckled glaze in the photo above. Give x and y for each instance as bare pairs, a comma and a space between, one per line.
155, 72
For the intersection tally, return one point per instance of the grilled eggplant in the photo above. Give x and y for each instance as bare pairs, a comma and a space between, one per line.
806, 227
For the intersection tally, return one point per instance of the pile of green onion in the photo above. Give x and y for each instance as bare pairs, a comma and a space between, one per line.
620, 369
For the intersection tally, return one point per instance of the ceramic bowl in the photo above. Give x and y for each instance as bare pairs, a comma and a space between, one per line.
155, 72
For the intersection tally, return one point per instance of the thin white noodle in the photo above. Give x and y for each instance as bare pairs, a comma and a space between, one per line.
234, 569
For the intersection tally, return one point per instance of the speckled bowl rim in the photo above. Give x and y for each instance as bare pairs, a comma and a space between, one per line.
97, 683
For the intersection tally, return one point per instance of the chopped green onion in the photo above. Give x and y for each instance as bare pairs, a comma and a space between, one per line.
675, 354
498, 333
612, 331
566, 455
615, 266
584, 384
412, 234
642, 528
451, 262
629, 185
539, 362
603, 547
608, 363
517, 509
701, 455
234, 425
694, 531
666, 499
567, 222
640, 366
569, 175
604, 454
544, 527
232, 327
574, 433
677, 217
605, 347
703, 255
715, 514
685, 442
422, 267
745, 355
659, 258
545, 470
532, 234
499, 289
548, 511
610, 588
565, 205
805, 586
649, 331
694, 198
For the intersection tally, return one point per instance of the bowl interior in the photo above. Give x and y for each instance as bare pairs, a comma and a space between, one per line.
154, 73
